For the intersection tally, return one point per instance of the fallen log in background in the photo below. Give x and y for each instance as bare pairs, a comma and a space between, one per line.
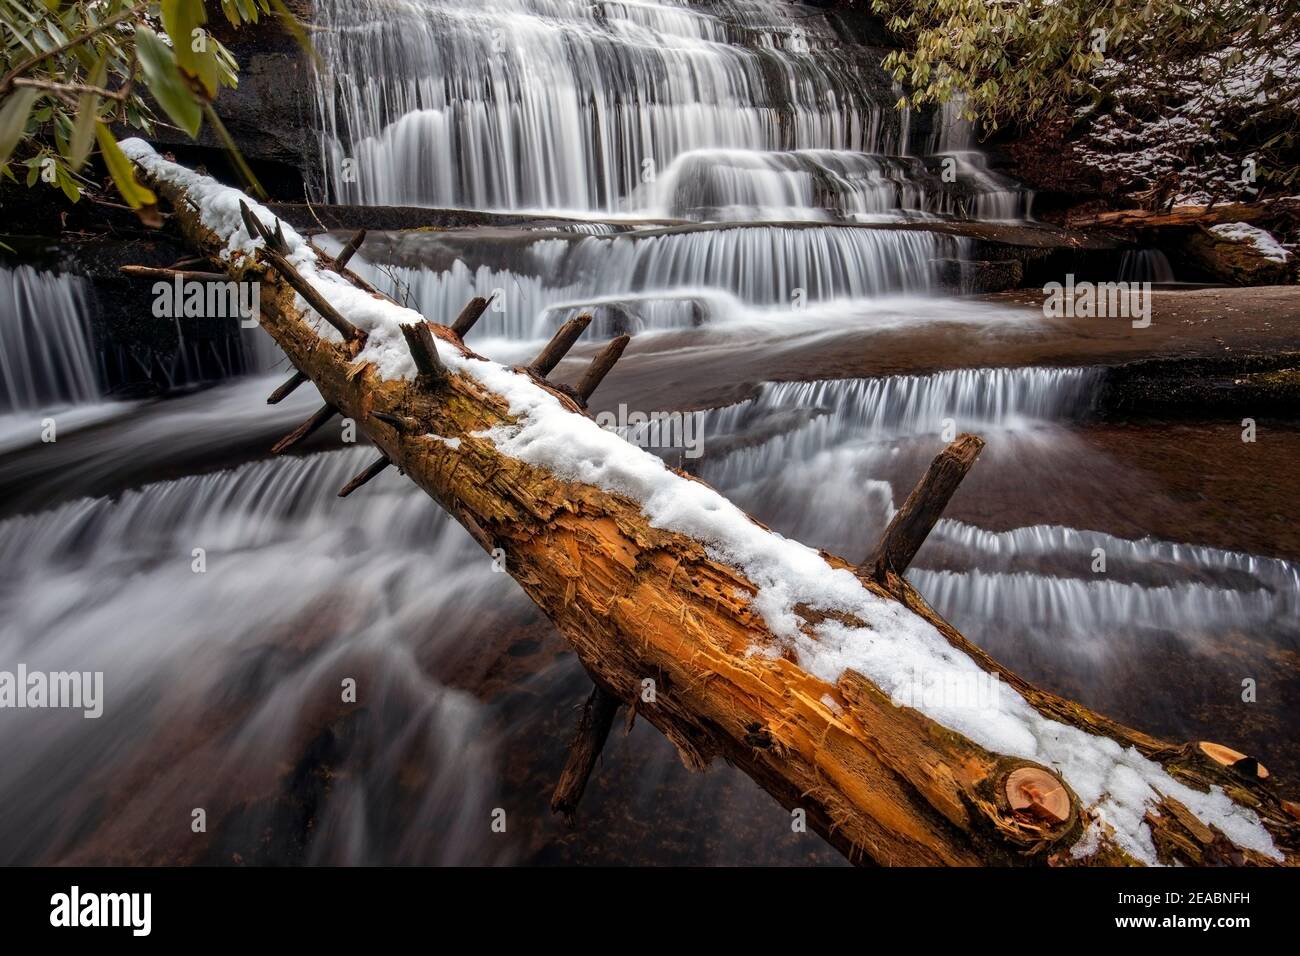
1187, 216
639, 601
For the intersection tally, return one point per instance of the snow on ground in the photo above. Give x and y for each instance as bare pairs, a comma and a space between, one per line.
1263, 241
890, 648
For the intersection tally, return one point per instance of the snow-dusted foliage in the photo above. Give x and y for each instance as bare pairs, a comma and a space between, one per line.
1215, 123
1181, 100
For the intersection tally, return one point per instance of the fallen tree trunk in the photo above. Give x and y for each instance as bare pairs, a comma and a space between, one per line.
646, 605
1185, 216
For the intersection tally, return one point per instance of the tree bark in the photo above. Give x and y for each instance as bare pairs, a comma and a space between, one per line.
881, 782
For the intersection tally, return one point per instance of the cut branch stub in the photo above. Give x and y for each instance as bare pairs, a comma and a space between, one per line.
370, 471
1235, 759
912, 524
344, 257
593, 729
392, 421
419, 338
291, 275
600, 367
322, 415
559, 346
287, 389
472, 312
1037, 796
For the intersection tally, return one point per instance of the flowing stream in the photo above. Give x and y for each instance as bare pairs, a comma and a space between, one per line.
736, 168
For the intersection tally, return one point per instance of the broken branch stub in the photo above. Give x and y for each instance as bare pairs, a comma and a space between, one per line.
593, 730
600, 367
419, 338
319, 304
345, 255
559, 346
472, 312
912, 523
307, 428
152, 272
286, 389
371, 470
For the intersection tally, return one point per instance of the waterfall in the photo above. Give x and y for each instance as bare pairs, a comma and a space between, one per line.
795, 185
567, 104
1044, 580
1145, 265
829, 413
991, 195
657, 279
829, 461
1089, 616
46, 356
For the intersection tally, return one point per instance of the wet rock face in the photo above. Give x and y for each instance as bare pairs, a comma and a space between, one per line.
1187, 387
269, 114
1234, 261
980, 276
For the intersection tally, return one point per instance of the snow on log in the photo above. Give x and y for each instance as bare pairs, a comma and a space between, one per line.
805, 672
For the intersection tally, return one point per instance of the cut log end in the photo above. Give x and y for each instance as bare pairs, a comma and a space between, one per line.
1234, 760
1037, 797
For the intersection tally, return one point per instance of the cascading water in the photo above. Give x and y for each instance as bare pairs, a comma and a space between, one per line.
560, 104
46, 357
49, 371
828, 462
110, 585
990, 195
720, 111
1145, 265
657, 280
